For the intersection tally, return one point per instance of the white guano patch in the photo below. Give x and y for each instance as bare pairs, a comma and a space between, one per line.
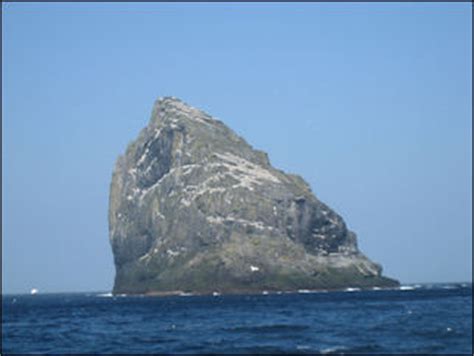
150, 188
157, 133
183, 170
160, 215
247, 173
190, 112
254, 268
148, 255
256, 224
172, 253
150, 165
143, 156
185, 202
215, 219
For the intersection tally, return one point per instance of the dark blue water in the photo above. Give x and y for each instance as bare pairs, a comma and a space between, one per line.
426, 319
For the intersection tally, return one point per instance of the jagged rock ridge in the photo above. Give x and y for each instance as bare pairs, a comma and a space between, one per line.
194, 208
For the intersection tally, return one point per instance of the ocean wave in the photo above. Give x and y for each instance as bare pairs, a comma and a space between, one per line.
331, 350
105, 295
110, 295
267, 328
185, 294
449, 286
303, 347
350, 289
341, 350
304, 291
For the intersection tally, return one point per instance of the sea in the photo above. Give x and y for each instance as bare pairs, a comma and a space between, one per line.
427, 319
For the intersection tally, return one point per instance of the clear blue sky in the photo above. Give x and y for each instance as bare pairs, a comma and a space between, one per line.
370, 103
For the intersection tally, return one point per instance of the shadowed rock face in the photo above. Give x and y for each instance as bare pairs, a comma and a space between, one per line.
194, 208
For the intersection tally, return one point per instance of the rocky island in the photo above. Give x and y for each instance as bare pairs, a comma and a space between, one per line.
195, 209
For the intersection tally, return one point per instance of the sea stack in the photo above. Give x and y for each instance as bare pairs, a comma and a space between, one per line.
195, 209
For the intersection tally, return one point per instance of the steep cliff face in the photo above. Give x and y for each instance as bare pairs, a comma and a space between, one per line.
194, 208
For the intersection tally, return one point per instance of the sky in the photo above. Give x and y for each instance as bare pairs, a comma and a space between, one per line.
369, 102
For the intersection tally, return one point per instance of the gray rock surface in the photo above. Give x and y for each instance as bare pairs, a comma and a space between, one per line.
194, 208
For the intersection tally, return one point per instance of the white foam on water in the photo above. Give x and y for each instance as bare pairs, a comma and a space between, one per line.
449, 287
302, 347
352, 289
332, 349
406, 288
105, 295
304, 291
